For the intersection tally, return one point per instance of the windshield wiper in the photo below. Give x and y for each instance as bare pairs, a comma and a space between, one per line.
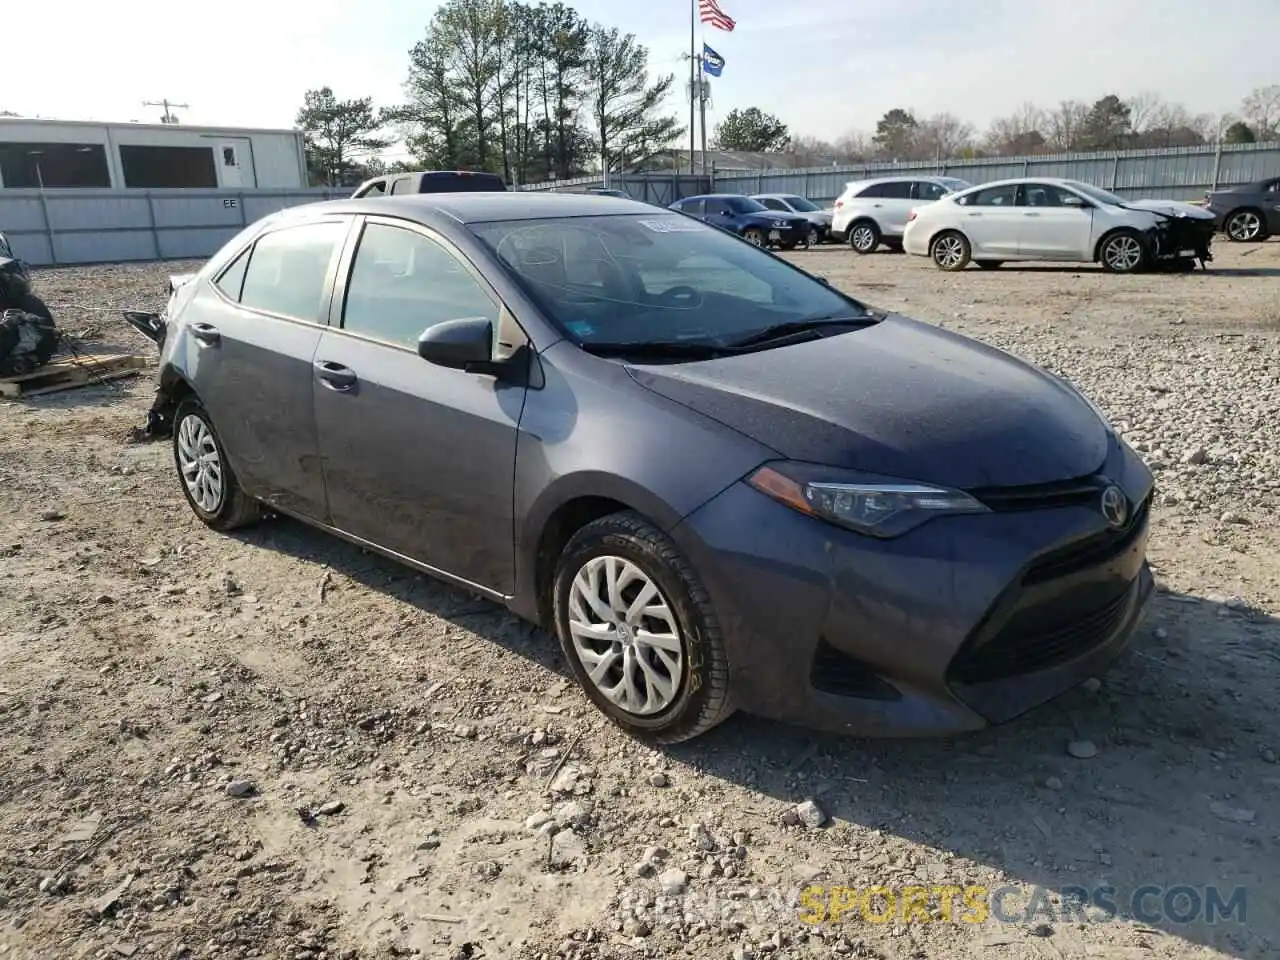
658, 350
780, 331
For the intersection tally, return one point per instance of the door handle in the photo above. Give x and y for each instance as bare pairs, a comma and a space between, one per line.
206, 333
877, 205
975, 214
334, 375
1031, 214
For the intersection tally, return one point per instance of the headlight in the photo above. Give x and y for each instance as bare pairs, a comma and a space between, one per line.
780, 224
877, 507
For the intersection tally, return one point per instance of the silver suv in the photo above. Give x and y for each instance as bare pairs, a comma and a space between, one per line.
872, 212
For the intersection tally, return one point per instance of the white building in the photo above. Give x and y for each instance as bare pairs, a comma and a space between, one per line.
62, 154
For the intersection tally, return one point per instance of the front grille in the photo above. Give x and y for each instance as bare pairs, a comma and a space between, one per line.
839, 674
1015, 651
1042, 496
1089, 552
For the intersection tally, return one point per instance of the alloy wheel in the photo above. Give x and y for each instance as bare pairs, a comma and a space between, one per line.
812, 240
1123, 253
1244, 226
200, 463
626, 635
948, 252
863, 239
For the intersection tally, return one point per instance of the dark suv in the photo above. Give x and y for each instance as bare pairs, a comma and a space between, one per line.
749, 219
431, 181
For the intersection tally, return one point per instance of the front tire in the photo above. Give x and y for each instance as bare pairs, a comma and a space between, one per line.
950, 251
637, 627
755, 237
1123, 252
208, 482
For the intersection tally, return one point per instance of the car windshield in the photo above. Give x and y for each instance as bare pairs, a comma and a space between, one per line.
746, 205
801, 204
1096, 193
954, 185
660, 278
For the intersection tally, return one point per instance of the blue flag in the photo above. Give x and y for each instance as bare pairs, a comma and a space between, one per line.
712, 62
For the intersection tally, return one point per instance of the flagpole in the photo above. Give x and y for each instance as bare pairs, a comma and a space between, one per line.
693, 89
702, 101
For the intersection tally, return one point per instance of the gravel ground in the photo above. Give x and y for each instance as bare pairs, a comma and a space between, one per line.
276, 745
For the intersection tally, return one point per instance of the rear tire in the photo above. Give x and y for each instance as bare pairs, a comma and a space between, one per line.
208, 482
864, 237
1245, 226
686, 693
950, 251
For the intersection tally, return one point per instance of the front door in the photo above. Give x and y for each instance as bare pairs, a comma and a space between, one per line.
1054, 224
251, 343
418, 459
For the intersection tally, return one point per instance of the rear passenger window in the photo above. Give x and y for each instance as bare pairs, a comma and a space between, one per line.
232, 278
873, 191
402, 282
287, 270
897, 190
993, 197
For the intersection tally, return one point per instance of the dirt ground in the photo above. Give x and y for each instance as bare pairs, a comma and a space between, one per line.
276, 745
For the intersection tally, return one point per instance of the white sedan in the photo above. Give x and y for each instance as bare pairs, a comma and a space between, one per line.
1063, 220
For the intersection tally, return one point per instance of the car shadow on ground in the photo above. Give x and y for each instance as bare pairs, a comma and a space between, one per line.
1212, 271
1164, 824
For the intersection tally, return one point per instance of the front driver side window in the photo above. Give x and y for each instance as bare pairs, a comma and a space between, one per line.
403, 282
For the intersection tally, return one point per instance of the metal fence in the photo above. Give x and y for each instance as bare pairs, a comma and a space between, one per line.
1180, 173
54, 227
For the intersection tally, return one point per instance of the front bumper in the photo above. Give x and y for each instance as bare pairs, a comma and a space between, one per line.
1182, 238
963, 623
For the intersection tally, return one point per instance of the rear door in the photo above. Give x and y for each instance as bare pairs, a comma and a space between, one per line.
897, 197
990, 218
250, 342
418, 459
1053, 224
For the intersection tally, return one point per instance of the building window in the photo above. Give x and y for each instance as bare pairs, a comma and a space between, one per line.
167, 167
54, 165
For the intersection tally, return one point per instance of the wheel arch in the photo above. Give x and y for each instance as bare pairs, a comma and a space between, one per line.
562, 510
1142, 236
1247, 208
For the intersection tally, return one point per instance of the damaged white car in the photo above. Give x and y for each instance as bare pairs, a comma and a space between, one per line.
1068, 221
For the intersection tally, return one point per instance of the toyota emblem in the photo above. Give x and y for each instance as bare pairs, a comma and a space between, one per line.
1115, 508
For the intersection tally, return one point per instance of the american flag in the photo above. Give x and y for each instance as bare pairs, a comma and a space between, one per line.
712, 15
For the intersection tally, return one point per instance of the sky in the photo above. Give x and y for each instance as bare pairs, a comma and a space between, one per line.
825, 67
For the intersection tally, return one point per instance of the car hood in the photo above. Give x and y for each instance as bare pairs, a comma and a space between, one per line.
768, 216
818, 216
901, 399
1174, 208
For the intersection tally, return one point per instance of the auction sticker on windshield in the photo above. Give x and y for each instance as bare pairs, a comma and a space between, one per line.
672, 225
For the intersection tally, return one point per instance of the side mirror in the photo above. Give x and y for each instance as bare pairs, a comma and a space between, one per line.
464, 344
1072, 201
823, 280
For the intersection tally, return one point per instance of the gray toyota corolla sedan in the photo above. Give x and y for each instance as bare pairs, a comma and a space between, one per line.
722, 483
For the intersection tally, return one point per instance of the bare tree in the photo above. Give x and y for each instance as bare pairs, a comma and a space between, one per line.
1067, 126
943, 135
853, 147
1021, 132
1261, 110
1146, 111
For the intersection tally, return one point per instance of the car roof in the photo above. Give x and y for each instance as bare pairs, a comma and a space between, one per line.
909, 177
483, 207
715, 196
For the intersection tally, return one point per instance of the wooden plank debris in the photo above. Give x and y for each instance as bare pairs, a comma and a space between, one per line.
66, 373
